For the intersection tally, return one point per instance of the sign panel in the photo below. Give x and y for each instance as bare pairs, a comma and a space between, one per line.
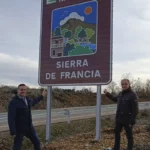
76, 42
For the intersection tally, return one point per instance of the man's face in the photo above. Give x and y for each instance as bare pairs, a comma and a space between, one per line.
125, 84
22, 91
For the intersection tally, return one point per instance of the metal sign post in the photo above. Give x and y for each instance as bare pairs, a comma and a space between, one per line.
48, 117
98, 113
67, 113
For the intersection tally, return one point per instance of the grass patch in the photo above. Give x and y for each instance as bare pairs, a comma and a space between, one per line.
144, 114
58, 130
65, 130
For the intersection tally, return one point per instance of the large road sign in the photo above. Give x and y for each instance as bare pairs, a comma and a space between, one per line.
76, 42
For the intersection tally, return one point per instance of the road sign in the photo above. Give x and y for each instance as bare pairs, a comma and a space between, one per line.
76, 42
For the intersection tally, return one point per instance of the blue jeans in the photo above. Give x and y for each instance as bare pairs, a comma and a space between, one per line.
32, 135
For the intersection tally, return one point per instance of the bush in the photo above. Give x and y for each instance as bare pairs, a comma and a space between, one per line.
144, 113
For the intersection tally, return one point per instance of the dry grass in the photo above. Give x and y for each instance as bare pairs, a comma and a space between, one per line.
79, 135
61, 98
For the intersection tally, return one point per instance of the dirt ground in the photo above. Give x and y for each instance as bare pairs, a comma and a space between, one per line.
86, 141
80, 134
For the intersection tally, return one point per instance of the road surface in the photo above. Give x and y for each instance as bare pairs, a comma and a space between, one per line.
60, 115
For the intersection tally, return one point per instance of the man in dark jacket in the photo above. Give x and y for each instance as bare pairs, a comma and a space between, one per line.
20, 118
127, 108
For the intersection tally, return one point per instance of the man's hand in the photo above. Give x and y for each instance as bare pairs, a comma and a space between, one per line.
44, 92
105, 91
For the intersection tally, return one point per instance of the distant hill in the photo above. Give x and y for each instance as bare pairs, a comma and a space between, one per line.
72, 24
61, 98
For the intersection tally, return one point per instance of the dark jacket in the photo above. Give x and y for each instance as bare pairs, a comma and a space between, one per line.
19, 114
127, 106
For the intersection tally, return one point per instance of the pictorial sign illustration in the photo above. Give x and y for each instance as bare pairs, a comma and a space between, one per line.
74, 30
75, 42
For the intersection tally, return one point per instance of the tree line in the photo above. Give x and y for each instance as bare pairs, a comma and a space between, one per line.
142, 88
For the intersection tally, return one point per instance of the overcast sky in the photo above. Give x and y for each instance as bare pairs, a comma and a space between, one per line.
20, 30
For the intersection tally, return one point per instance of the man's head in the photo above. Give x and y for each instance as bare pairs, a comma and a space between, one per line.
125, 84
22, 89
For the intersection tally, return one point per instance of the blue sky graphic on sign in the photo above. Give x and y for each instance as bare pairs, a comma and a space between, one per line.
74, 30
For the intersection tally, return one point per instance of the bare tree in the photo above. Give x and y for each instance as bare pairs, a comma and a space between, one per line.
147, 88
130, 78
113, 88
139, 87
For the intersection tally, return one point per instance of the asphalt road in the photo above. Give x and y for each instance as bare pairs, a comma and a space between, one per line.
61, 115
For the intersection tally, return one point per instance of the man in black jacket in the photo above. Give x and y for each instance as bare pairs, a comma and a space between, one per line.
127, 108
20, 118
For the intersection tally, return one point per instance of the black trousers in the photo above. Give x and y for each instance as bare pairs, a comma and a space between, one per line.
31, 134
129, 135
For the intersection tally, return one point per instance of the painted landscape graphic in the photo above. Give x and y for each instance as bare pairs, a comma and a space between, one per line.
74, 30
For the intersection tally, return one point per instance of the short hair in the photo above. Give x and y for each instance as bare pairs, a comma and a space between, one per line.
22, 84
